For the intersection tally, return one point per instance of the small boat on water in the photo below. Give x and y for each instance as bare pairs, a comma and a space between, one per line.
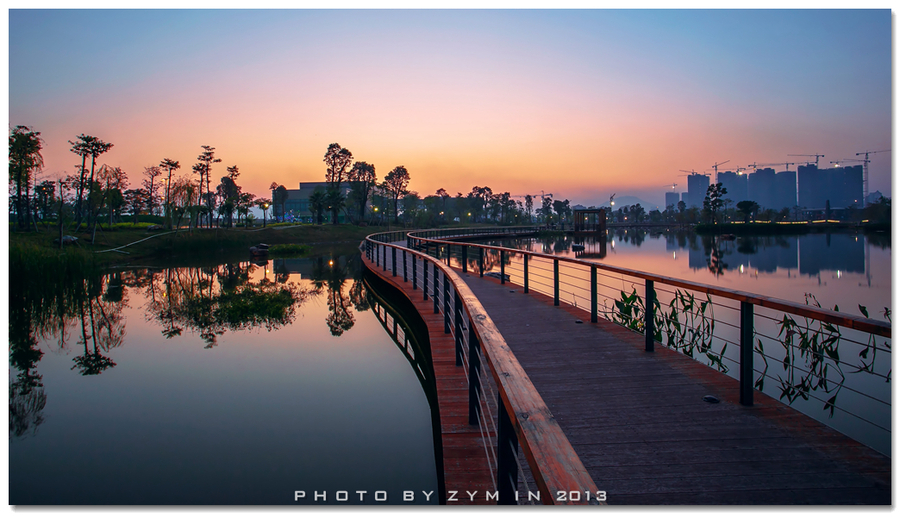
577, 248
260, 249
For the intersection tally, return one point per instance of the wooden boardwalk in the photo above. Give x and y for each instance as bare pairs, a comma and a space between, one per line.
639, 423
464, 460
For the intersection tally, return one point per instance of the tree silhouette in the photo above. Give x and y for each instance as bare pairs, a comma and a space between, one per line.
207, 158
747, 208
318, 202
24, 159
170, 166
362, 180
96, 147
334, 201
151, 173
395, 184
337, 160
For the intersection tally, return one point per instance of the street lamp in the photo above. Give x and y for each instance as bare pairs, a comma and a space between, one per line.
265, 208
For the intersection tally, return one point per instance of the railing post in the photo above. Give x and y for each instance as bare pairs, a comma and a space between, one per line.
457, 326
507, 451
394, 261
480, 262
746, 354
434, 294
525, 272
405, 276
383, 257
593, 294
465, 258
556, 282
502, 269
474, 370
415, 280
446, 305
424, 279
649, 302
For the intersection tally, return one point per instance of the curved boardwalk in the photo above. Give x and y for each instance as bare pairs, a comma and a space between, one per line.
639, 423
464, 461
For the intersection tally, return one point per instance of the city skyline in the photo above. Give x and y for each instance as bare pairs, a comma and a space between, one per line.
582, 104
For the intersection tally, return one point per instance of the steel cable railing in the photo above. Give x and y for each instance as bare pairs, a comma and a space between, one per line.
687, 321
503, 402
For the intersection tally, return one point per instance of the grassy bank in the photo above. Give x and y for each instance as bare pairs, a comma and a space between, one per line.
122, 245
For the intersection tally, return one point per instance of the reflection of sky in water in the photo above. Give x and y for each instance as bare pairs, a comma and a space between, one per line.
249, 421
834, 268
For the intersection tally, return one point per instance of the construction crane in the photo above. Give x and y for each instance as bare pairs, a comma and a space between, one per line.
691, 172
866, 171
838, 163
715, 168
817, 155
786, 164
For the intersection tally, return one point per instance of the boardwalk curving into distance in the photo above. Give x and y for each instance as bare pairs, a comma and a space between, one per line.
640, 425
638, 421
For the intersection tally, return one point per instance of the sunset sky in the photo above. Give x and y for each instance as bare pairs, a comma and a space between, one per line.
580, 103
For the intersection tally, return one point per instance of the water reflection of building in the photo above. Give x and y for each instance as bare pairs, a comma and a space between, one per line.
807, 254
832, 252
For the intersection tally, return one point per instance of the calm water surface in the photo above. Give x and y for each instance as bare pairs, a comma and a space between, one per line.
233, 384
848, 387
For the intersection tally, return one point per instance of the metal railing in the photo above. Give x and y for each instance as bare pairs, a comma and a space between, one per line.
503, 403
752, 330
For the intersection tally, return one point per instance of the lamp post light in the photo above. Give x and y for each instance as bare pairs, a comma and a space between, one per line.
265, 208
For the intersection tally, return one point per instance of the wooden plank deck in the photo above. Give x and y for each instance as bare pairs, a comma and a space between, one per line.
464, 460
639, 424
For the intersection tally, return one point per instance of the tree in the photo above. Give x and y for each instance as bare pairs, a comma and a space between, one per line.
24, 159
444, 196
44, 199
279, 198
229, 193
562, 209
151, 173
714, 201
170, 166
96, 147
207, 158
334, 200
362, 180
183, 192
81, 148
395, 182
264, 204
529, 206
318, 203
135, 200
546, 209
337, 160
747, 208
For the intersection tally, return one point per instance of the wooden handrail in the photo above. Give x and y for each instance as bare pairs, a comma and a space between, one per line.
551, 457
866, 325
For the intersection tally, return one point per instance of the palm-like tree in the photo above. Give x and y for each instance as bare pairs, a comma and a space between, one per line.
24, 158
170, 166
318, 203
334, 200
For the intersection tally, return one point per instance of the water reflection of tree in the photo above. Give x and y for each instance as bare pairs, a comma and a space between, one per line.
331, 275
102, 324
217, 299
53, 303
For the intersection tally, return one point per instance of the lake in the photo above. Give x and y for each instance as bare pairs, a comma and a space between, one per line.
236, 383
